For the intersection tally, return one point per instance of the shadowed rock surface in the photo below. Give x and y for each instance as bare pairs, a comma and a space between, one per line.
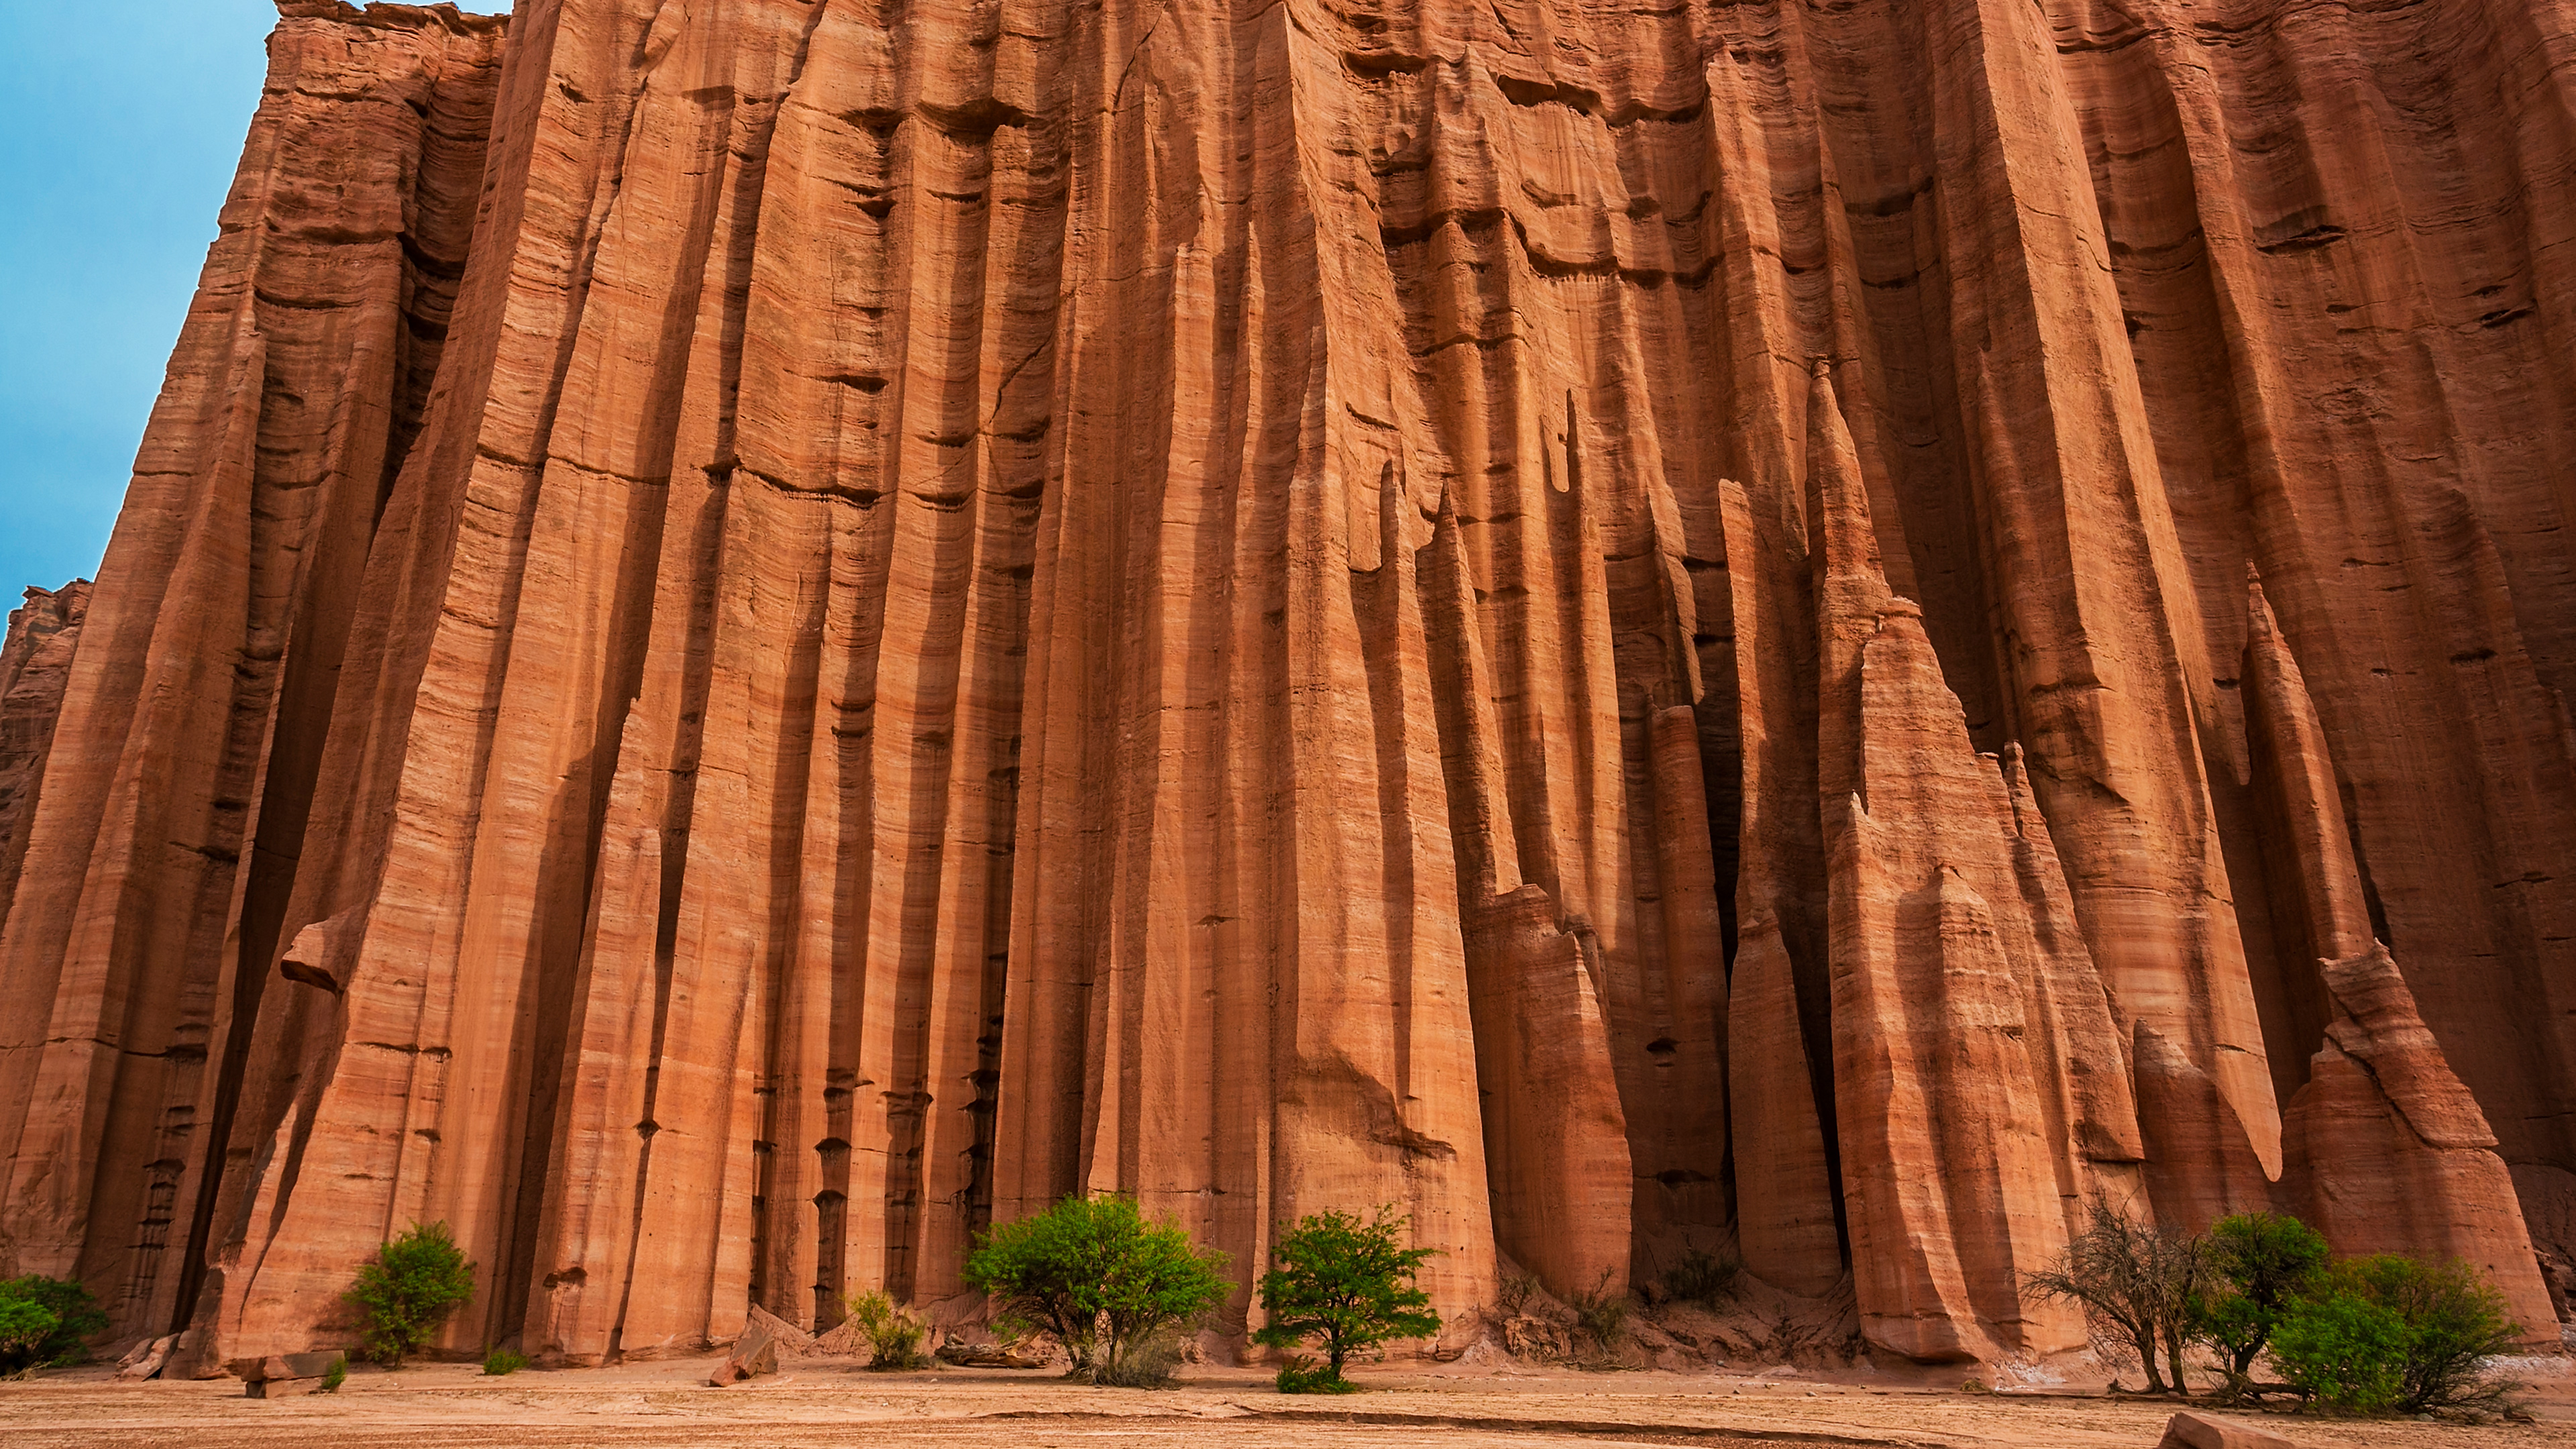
753, 634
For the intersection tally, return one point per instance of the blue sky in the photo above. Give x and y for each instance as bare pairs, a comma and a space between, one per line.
120, 126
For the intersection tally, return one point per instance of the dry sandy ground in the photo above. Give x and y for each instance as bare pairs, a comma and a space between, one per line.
666, 1406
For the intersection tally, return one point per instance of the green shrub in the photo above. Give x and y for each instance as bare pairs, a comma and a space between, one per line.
894, 1336
46, 1323
2262, 1265
1346, 1282
502, 1362
2456, 1325
2343, 1352
1702, 1278
1602, 1313
2392, 1332
1305, 1376
338, 1374
1107, 1282
24, 1327
416, 1281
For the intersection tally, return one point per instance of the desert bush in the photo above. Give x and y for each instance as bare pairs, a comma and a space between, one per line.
1302, 1375
894, 1336
502, 1362
1515, 1291
2342, 1352
24, 1327
1148, 1363
2456, 1327
1702, 1277
1103, 1279
1602, 1313
416, 1281
2261, 1266
2396, 1332
1347, 1283
46, 1323
2136, 1285
338, 1374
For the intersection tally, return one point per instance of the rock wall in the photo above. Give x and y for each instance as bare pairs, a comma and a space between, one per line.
752, 634
35, 668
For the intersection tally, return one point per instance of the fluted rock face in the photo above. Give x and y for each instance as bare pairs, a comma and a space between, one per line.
35, 668
753, 634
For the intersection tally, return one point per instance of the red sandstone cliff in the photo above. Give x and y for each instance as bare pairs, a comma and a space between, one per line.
35, 668
752, 634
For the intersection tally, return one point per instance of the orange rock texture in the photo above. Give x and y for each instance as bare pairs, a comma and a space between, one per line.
35, 667
754, 634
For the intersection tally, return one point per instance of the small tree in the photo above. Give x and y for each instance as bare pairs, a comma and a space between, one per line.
46, 1323
1115, 1288
1348, 1283
2261, 1264
2136, 1285
416, 1281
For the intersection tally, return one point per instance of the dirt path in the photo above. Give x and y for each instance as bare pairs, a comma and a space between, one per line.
665, 1406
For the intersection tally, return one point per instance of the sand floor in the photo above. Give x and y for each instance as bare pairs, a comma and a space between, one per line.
650, 1406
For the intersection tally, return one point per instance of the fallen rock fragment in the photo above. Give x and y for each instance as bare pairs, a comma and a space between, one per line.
754, 1354
145, 1359
2200, 1431
984, 1355
283, 1375
791, 1341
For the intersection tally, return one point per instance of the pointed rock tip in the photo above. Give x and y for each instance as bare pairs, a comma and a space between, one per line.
2262, 626
1445, 511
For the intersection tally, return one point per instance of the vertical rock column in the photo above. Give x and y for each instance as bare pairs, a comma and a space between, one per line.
35, 669
1958, 1012
791, 982
172, 818
1788, 1212
2387, 1151
1238, 985
2398, 240
1556, 1156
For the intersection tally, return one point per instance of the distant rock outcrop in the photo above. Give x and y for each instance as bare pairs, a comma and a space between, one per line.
754, 634
35, 669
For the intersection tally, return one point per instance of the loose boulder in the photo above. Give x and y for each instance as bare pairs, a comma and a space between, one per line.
754, 1354
146, 1359
283, 1375
2200, 1431
985, 1355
